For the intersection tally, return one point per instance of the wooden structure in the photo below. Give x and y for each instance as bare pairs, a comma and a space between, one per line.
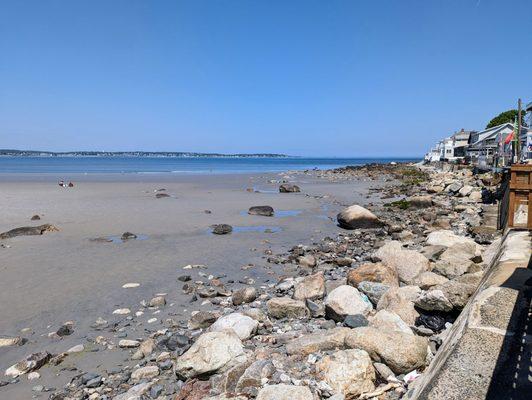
520, 197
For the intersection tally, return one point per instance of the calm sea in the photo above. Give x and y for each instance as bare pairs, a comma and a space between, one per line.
183, 165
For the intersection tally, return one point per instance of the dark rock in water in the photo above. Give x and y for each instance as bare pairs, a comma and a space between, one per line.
161, 195
28, 231
207, 212
222, 229
265, 211
289, 188
128, 235
355, 321
184, 278
65, 330
434, 322
35, 218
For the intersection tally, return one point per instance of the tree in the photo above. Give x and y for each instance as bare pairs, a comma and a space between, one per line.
502, 118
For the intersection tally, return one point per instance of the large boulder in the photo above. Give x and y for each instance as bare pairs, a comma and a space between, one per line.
447, 238
456, 260
373, 272
346, 300
456, 292
434, 300
310, 287
284, 392
265, 211
407, 263
389, 321
399, 351
319, 341
452, 269
347, 372
240, 324
356, 217
213, 351
400, 300
285, 307
428, 279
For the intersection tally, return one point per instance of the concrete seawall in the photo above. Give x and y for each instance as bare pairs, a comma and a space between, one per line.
487, 353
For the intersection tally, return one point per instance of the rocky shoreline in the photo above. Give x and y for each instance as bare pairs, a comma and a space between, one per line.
356, 316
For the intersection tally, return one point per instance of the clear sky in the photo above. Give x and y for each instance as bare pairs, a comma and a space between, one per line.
319, 78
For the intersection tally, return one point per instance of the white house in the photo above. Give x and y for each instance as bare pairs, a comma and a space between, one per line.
460, 144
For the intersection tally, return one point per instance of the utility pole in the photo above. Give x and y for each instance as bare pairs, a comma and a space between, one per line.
518, 139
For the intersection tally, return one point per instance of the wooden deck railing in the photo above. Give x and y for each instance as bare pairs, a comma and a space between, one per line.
520, 197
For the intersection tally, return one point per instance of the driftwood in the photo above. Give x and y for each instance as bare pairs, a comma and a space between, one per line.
28, 231
379, 391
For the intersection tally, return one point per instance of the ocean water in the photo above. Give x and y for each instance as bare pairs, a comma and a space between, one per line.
176, 165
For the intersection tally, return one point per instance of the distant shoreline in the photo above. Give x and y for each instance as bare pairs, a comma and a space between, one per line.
37, 153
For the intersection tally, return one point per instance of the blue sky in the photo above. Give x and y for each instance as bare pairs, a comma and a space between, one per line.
318, 78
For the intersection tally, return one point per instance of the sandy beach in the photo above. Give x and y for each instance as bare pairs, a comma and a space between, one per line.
68, 276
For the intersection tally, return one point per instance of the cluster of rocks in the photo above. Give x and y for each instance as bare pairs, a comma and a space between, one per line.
357, 316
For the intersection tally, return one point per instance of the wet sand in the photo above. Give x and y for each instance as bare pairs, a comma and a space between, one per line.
65, 276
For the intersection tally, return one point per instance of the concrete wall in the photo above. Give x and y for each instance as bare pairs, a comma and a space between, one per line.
487, 353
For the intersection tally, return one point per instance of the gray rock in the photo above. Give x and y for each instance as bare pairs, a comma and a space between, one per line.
407, 263
289, 188
401, 301
355, 321
346, 300
251, 379
285, 307
311, 287
389, 321
428, 279
433, 300
240, 324
201, 319
213, 351
265, 211
319, 341
222, 229
374, 290
244, 295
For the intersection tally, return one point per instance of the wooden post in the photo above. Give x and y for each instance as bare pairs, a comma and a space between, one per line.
520, 193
